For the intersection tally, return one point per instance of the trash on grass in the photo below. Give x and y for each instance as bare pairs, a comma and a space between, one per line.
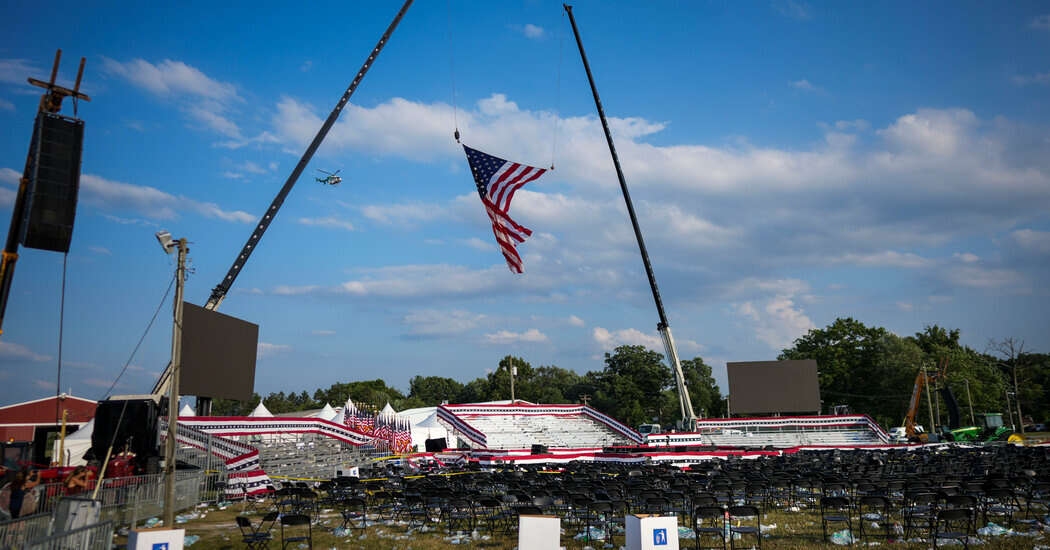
842, 537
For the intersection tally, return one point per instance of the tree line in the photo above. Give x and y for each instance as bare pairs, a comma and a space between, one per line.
868, 370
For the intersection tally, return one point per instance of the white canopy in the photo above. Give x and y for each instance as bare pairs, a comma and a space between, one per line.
76, 444
429, 422
387, 410
261, 410
186, 411
327, 413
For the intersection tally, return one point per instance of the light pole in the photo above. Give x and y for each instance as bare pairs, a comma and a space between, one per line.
513, 371
169, 245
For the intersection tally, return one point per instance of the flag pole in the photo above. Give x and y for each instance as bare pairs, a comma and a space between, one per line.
685, 403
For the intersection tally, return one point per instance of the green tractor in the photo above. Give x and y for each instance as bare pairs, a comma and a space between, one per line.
990, 428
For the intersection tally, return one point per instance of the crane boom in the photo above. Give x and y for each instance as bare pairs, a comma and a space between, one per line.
684, 402
218, 294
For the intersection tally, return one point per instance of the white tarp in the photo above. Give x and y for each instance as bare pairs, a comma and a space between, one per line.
77, 443
186, 411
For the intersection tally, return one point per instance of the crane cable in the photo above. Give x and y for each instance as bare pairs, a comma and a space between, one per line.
124, 407
61, 326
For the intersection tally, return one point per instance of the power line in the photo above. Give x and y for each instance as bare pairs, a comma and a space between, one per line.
143, 337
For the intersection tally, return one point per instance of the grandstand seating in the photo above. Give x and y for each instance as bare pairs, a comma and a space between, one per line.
780, 432
566, 428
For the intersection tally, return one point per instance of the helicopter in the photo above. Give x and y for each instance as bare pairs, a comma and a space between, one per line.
331, 178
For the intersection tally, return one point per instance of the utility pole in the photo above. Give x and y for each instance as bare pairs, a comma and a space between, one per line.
173, 395
684, 401
969, 399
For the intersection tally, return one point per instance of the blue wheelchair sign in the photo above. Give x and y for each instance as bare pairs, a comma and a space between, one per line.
160, 546
659, 537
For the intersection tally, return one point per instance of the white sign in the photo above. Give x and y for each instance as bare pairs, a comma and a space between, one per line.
651, 532
156, 539
539, 533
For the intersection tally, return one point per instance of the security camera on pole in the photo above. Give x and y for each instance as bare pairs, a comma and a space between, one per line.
169, 245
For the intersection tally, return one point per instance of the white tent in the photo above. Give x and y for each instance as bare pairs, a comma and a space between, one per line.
261, 411
76, 445
186, 411
327, 413
388, 411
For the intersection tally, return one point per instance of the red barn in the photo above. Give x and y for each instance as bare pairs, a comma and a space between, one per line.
32, 421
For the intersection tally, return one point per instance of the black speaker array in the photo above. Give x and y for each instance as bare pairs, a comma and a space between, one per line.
137, 431
54, 181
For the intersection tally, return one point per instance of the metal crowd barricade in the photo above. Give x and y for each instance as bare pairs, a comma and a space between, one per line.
14, 533
90, 537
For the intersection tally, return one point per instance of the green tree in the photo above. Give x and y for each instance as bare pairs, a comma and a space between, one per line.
631, 386
233, 407
703, 392
433, 390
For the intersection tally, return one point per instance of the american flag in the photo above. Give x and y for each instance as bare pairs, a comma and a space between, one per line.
497, 181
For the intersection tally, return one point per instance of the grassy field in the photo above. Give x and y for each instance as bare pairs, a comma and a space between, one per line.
798, 530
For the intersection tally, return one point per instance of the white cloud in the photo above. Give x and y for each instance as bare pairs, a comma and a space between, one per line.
170, 78
975, 276
905, 306
330, 222
939, 132
150, 201
251, 168
1035, 241
306, 66
323, 333
266, 349
10, 351
629, 336
793, 9
1037, 78
405, 214
232, 175
9, 176
777, 321
803, 84
15, 71
204, 98
967, 257
504, 337
100, 250
1041, 22
532, 31
479, 244
44, 384
886, 258
576, 321
433, 323
6, 105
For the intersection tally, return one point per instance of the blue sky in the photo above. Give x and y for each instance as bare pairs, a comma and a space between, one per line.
791, 163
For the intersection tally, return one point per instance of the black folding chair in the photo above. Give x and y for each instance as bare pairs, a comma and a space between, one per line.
954, 524
250, 536
746, 512
293, 521
834, 510
709, 521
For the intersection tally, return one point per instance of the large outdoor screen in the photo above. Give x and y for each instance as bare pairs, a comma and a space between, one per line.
774, 387
218, 354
